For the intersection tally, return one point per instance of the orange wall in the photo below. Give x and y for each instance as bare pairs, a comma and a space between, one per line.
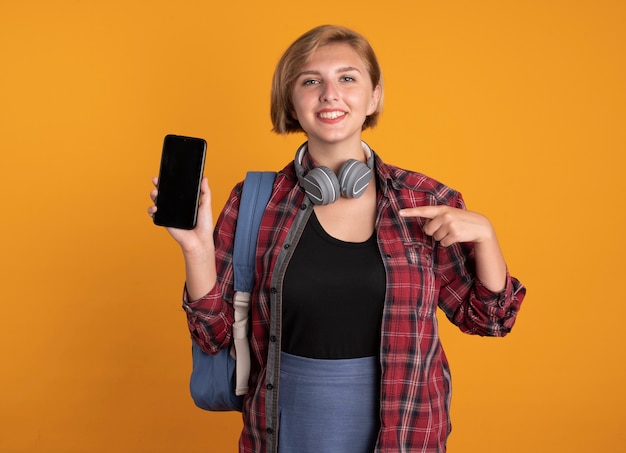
520, 105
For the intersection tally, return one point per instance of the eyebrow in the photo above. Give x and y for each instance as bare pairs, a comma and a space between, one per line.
339, 70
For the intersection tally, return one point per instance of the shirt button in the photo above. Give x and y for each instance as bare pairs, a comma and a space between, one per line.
270, 431
269, 387
287, 246
273, 338
273, 290
303, 206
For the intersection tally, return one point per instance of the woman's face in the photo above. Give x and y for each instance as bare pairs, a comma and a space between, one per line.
333, 94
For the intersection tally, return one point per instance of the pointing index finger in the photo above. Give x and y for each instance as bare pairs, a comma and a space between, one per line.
428, 212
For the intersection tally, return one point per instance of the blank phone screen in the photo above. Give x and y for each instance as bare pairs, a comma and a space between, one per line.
182, 166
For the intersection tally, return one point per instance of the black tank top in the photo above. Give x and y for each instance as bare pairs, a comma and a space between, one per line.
333, 297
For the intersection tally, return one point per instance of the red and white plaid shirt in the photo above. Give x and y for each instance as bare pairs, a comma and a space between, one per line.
421, 275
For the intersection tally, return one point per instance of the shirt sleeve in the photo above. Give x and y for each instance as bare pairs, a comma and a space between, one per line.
211, 317
466, 301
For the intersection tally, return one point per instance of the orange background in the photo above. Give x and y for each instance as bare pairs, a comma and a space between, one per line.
520, 105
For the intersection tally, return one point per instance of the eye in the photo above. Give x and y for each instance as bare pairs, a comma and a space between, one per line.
347, 79
310, 82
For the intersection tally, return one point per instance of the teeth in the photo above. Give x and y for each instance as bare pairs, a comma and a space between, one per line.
331, 115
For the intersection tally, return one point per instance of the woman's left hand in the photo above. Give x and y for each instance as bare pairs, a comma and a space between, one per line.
450, 225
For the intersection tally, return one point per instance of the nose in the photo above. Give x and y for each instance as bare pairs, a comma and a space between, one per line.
329, 93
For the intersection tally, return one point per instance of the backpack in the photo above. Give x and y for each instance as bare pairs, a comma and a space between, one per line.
218, 382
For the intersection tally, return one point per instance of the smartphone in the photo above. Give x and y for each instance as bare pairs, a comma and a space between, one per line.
180, 175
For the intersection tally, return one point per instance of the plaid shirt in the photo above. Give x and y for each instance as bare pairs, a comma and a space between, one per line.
421, 275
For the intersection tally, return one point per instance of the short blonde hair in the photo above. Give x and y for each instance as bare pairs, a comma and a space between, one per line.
300, 53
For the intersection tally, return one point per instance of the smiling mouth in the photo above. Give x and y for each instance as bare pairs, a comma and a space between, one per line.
331, 115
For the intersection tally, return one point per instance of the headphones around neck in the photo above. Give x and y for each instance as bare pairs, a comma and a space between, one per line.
323, 187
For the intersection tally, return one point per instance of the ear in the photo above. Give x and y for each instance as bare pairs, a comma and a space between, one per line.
374, 100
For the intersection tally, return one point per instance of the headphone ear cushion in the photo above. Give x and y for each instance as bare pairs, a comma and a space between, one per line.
321, 185
354, 178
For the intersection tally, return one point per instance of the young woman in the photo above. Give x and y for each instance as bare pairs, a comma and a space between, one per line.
354, 256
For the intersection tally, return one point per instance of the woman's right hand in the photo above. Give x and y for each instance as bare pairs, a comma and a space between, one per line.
197, 244
202, 234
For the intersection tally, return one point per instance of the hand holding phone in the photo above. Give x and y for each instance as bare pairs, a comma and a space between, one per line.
180, 175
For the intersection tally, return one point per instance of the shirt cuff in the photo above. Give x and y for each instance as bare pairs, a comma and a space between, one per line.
491, 297
205, 302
